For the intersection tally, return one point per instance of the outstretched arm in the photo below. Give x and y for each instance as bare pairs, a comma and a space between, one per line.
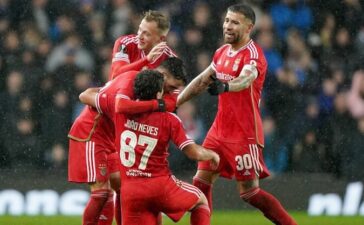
127, 106
88, 96
197, 152
196, 86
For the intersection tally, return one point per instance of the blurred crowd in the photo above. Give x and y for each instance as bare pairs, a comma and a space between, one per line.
313, 99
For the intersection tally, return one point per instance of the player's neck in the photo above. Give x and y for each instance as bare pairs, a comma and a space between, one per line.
240, 44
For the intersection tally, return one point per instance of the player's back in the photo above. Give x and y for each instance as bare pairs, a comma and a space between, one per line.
122, 86
144, 143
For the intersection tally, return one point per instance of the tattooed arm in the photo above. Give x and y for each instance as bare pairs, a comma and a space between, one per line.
196, 86
245, 79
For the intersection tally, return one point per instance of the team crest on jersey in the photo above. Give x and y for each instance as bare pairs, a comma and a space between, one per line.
226, 63
236, 64
122, 48
103, 170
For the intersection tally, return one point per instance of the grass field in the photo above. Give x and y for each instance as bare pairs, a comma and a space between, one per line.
219, 218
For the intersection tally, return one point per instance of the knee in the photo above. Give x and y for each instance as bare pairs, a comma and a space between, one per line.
207, 177
202, 201
247, 186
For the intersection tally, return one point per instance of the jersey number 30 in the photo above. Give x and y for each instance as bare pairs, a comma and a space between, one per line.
127, 151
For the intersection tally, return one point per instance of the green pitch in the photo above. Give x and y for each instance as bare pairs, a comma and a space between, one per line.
219, 218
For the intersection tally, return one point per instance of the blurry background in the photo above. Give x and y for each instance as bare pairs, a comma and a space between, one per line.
312, 106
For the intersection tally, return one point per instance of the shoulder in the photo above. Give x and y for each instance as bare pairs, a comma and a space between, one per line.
169, 52
127, 39
173, 118
255, 51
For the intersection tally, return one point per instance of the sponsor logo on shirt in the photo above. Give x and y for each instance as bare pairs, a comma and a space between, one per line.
224, 76
137, 173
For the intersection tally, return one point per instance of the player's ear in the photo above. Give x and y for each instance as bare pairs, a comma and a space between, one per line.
163, 38
160, 94
250, 27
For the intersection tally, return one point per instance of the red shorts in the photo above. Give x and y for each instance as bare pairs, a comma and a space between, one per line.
88, 162
244, 160
144, 198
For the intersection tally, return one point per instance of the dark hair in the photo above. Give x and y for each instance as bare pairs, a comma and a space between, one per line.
147, 84
176, 68
246, 10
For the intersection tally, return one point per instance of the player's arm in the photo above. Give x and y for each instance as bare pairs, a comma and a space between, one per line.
88, 97
197, 152
246, 77
128, 106
244, 80
121, 66
196, 86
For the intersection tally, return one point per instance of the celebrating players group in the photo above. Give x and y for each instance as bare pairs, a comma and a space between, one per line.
119, 142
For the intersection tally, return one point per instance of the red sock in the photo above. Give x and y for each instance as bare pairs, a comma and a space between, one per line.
200, 215
269, 205
205, 187
107, 213
94, 206
118, 208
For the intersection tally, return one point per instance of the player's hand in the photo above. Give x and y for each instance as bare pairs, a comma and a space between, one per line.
217, 87
214, 162
156, 51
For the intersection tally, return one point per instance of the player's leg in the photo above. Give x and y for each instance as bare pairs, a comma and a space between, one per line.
100, 192
115, 185
205, 175
85, 163
204, 180
265, 202
110, 208
200, 212
249, 167
107, 213
181, 197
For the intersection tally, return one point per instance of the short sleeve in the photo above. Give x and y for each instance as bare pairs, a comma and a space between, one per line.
178, 134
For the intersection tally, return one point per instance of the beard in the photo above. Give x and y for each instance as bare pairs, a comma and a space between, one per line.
232, 40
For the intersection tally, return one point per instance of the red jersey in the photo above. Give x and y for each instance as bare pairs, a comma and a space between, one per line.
238, 116
90, 124
126, 51
142, 140
122, 84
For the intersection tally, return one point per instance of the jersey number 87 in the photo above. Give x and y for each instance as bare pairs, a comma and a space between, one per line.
127, 150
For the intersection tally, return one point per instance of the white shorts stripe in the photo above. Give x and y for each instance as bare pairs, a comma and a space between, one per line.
87, 165
90, 161
190, 188
93, 162
251, 149
257, 151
